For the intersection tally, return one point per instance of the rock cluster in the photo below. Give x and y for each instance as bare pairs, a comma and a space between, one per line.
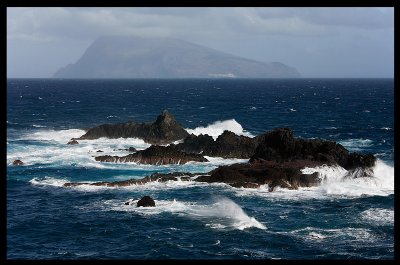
275, 158
164, 130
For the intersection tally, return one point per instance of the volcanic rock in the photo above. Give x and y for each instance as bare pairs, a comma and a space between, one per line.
146, 201
164, 130
155, 155
227, 145
17, 162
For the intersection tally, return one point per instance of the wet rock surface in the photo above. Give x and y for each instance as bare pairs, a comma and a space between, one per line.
146, 201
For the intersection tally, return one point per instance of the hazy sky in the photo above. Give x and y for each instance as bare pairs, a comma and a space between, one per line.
319, 42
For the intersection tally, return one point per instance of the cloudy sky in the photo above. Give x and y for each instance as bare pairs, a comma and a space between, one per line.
319, 42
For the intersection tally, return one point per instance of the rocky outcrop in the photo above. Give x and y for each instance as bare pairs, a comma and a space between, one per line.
73, 141
17, 162
227, 145
286, 174
277, 160
280, 145
155, 155
146, 201
164, 130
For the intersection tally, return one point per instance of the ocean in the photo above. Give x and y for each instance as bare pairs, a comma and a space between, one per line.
340, 219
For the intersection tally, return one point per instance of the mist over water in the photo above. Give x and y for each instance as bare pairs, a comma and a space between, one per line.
343, 218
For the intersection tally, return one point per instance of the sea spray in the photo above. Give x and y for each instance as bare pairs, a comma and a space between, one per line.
217, 128
229, 212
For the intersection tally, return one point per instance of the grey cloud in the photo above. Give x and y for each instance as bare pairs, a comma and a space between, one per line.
278, 34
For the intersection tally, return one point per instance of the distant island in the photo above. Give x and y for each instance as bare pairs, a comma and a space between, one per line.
139, 57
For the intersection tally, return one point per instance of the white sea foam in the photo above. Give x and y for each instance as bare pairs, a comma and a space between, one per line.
219, 214
347, 233
48, 181
378, 216
54, 149
334, 183
59, 136
217, 128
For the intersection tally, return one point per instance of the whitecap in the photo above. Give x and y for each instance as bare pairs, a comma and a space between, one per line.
356, 144
378, 216
48, 181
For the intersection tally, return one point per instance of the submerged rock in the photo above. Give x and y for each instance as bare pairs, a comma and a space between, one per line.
164, 130
17, 162
155, 155
146, 201
73, 141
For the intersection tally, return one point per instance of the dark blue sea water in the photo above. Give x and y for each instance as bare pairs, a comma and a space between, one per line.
341, 219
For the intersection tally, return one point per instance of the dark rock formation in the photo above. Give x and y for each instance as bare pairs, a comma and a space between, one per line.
280, 145
155, 155
196, 144
17, 162
73, 141
277, 160
99, 151
146, 201
227, 145
130, 149
286, 174
164, 130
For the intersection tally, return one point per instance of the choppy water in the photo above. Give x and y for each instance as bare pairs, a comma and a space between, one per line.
341, 219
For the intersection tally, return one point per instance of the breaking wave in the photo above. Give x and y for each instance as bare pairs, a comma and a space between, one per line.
220, 213
335, 182
217, 128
